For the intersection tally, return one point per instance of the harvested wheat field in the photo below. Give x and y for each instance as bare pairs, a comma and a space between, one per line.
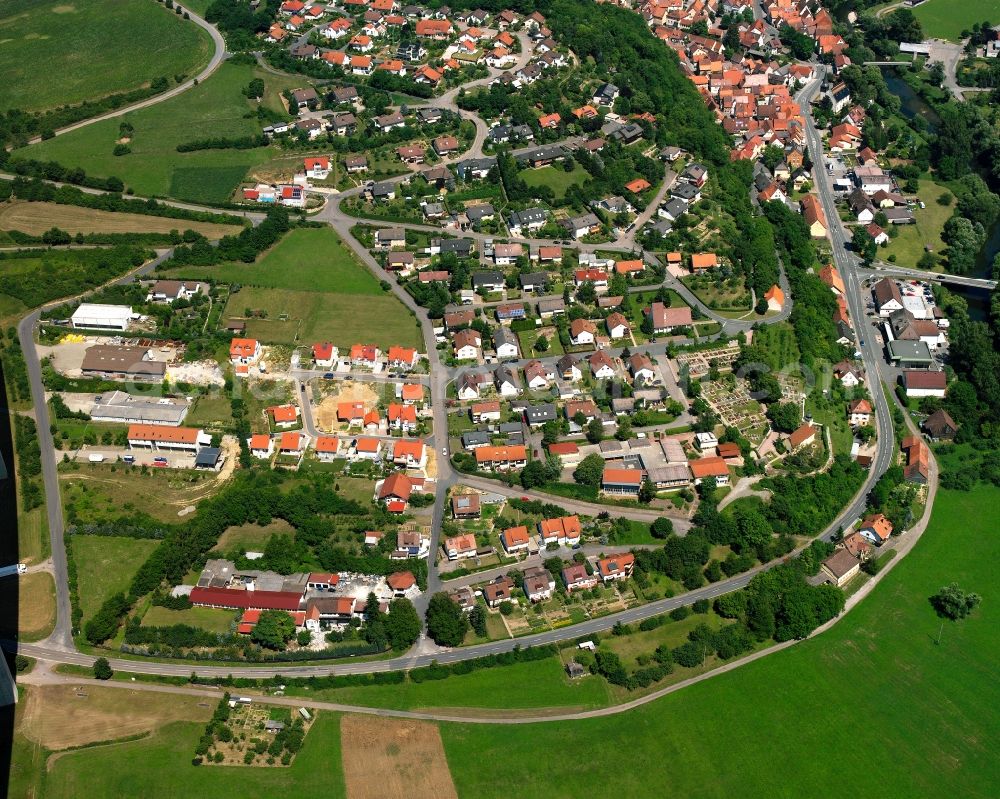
326, 411
34, 595
394, 757
36, 218
60, 716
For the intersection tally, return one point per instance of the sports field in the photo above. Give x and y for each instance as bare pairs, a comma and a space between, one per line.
62, 52
36, 218
946, 19
105, 565
786, 725
154, 167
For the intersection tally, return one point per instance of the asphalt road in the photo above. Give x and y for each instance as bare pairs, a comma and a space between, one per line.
61, 634
848, 264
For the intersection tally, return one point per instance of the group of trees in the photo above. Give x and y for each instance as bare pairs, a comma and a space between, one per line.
447, 624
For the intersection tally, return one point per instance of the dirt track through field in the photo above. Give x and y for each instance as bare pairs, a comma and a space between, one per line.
35, 218
394, 757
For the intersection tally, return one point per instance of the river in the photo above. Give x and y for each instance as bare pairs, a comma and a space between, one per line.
913, 105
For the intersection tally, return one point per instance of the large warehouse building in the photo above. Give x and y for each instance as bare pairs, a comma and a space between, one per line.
92, 316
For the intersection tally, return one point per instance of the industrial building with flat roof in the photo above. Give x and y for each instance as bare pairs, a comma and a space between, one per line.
121, 407
101, 317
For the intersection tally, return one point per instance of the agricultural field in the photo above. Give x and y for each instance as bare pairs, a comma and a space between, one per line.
154, 167
35, 598
105, 565
939, 696
36, 218
946, 19
306, 259
909, 245
393, 757
556, 178
160, 765
117, 46
281, 316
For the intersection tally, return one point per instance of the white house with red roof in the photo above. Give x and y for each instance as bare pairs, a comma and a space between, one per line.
324, 355
317, 167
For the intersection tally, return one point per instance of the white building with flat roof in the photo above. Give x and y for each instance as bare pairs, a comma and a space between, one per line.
94, 316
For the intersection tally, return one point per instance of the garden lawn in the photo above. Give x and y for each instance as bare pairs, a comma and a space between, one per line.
62, 52
780, 726
306, 259
908, 246
946, 19
295, 317
215, 620
160, 766
154, 167
105, 565
556, 178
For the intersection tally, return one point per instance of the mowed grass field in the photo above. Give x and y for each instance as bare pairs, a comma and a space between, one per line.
160, 768
946, 19
908, 246
105, 565
343, 319
535, 685
555, 177
36, 218
214, 620
306, 259
62, 52
154, 167
311, 287
787, 725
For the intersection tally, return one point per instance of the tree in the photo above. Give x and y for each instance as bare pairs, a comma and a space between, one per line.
951, 602
661, 528
785, 416
542, 344
647, 491
274, 629
102, 669
477, 618
446, 623
586, 293
595, 431
864, 245
402, 624
590, 472
534, 474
